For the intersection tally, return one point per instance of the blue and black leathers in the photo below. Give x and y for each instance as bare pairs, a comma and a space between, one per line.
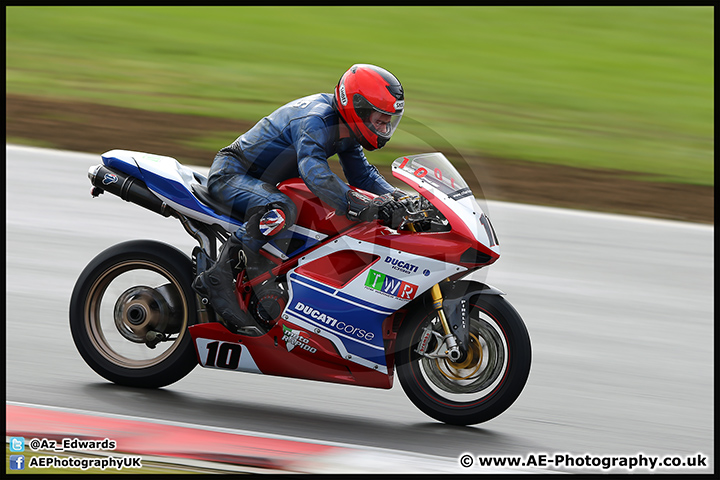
294, 141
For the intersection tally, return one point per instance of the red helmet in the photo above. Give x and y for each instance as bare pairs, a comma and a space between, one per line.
363, 90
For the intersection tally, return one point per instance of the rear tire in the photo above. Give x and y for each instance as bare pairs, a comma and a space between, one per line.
486, 383
125, 292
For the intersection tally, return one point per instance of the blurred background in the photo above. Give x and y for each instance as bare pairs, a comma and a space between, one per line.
601, 108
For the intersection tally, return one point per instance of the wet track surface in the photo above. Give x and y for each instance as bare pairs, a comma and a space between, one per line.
619, 310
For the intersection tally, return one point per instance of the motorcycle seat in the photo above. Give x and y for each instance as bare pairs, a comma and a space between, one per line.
203, 194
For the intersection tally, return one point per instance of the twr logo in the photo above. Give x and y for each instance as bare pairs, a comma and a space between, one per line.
390, 285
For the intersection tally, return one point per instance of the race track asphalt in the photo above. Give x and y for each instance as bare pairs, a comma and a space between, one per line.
620, 312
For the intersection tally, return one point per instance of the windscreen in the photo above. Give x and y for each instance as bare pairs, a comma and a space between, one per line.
437, 171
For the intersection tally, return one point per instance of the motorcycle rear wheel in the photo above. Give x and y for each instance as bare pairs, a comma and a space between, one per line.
128, 291
481, 386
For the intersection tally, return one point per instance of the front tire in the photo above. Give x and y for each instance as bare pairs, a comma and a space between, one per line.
128, 292
485, 383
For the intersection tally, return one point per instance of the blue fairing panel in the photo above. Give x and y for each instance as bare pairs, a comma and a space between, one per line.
356, 323
122, 163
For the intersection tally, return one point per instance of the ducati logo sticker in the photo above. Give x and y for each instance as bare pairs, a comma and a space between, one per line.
404, 267
340, 326
294, 338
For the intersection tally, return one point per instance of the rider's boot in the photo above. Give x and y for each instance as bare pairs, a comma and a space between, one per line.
217, 284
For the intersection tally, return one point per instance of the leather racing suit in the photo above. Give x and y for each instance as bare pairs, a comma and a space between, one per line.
294, 141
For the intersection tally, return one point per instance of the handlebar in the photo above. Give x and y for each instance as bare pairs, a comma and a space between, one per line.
421, 216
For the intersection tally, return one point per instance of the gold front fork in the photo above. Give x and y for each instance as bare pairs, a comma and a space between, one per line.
437, 305
437, 298
453, 351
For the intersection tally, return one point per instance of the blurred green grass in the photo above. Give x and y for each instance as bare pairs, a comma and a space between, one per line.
628, 88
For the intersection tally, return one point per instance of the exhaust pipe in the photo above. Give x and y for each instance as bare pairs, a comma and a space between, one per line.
128, 188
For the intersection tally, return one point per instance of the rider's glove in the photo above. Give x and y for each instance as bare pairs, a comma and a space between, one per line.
401, 195
362, 208
390, 210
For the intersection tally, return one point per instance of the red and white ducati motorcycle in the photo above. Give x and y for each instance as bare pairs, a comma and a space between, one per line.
334, 300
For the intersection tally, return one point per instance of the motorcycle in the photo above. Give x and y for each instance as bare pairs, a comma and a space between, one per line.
333, 300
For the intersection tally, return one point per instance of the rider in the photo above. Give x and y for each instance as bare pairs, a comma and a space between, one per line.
296, 140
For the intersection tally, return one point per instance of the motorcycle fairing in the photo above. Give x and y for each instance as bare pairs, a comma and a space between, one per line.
337, 333
287, 350
240, 359
293, 241
351, 315
432, 175
353, 327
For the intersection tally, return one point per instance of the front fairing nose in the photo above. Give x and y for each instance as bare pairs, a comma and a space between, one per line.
434, 177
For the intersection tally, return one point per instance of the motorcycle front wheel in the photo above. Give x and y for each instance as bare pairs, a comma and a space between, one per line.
482, 385
130, 311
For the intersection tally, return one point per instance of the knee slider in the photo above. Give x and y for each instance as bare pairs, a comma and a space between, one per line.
265, 222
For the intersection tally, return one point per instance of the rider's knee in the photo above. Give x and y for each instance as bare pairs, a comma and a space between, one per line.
266, 221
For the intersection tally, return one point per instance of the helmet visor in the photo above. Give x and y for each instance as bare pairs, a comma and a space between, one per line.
382, 124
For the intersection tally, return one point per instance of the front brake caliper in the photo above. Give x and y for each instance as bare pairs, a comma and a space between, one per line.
424, 340
445, 345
